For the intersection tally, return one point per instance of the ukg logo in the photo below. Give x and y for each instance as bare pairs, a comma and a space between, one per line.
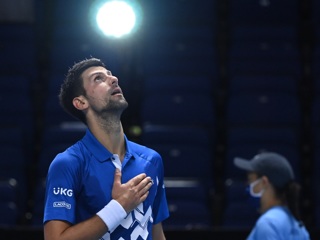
63, 191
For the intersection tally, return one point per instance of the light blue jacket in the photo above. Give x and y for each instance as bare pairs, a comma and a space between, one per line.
278, 224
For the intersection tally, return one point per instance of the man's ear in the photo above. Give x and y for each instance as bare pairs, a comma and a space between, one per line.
80, 103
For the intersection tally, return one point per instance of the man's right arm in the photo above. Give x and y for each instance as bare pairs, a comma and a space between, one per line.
93, 228
128, 195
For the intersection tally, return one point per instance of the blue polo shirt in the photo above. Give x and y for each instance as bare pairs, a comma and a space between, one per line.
80, 180
278, 224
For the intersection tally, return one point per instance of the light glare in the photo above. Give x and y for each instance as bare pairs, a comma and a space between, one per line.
116, 18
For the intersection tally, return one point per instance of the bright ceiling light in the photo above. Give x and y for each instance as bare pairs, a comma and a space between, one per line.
116, 18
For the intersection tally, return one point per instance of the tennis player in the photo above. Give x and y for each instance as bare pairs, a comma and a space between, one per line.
104, 186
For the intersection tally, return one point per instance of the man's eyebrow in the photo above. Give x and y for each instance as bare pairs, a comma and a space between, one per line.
97, 73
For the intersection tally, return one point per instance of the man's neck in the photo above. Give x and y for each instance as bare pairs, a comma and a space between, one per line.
110, 134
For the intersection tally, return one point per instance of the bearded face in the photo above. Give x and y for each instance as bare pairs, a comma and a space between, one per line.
103, 93
108, 106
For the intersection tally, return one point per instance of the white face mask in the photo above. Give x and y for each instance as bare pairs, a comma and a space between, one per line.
252, 185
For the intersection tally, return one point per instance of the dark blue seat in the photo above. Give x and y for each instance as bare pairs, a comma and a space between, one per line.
186, 161
180, 66
54, 114
19, 113
249, 83
54, 84
266, 67
9, 190
182, 83
180, 51
16, 159
269, 12
251, 134
315, 6
178, 109
63, 134
66, 12
238, 213
167, 134
18, 116
266, 109
264, 50
12, 201
315, 61
22, 57
16, 82
16, 32
315, 115
9, 214
18, 41
317, 208
12, 137
263, 38
179, 12
189, 205
38, 207
187, 152
316, 84
16, 137
181, 41
278, 33
65, 52
315, 173
13, 163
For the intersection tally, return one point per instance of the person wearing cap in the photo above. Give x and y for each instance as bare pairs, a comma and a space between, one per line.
271, 180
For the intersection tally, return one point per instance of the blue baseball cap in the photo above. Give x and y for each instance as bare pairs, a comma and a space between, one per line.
273, 165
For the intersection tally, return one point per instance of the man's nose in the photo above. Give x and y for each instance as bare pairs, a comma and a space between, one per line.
114, 81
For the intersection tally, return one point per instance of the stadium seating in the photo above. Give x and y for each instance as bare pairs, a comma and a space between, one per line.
207, 81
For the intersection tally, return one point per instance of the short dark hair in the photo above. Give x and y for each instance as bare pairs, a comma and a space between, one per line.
73, 86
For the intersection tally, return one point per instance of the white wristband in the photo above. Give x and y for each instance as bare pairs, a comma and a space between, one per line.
112, 214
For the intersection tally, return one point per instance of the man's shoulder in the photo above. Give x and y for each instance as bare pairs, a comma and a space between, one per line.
143, 151
70, 156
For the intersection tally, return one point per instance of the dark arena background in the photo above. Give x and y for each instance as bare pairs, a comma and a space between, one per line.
206, 81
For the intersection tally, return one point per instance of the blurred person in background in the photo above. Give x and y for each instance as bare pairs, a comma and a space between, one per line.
273, 187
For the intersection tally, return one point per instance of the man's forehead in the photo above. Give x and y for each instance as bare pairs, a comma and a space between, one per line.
93, 70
